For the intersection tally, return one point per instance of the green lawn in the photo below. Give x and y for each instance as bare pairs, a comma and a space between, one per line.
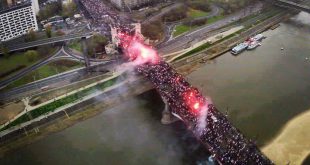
180, 29
76, 45
19, 59
16, 59
43, 72
214, 19
193, 13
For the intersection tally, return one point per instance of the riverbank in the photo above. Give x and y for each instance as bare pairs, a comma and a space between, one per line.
72, 116
292, 144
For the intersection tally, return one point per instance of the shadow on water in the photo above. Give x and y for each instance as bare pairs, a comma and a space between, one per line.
131, 133
192, 149
306, 161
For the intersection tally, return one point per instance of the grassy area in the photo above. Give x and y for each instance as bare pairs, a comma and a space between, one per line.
215, 18
180, 29
16, 59
193, 13
205, 46
59, 103
45, 71
19, 59
76, 45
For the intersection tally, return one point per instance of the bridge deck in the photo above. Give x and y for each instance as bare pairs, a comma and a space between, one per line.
223, 140
47, 41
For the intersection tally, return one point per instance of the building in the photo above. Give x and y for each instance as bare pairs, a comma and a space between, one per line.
9, 2
130, 4
35, 5
17, 20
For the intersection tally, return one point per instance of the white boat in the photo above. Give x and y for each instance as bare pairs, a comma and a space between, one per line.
253, 45
258, 37
239, 48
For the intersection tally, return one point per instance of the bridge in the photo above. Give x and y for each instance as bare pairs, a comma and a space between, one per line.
212, 128
47, 41
291, 4
226, 143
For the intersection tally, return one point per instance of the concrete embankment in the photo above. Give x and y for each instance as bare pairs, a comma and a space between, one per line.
292, 145
71, 116
221, 48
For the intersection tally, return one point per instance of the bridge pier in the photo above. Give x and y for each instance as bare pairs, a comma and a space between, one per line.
167, 117
85, 52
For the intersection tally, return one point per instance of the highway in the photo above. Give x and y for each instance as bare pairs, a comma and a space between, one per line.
23, 72
192, 37
47, 41
53, 81
169, 26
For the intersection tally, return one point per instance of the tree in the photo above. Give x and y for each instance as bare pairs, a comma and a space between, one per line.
176, 14
99, 39
154, 30
31, 55
5, 50
50, 10
69, 9
201, 5
97, 42
48, 31
31, 36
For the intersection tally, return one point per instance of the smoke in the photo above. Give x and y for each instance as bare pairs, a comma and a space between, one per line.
303, 18
135, 136
202, 118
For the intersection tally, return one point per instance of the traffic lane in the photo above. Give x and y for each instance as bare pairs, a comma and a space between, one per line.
68, 78
179, 42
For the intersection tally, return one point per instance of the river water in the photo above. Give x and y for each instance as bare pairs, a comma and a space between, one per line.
260, 90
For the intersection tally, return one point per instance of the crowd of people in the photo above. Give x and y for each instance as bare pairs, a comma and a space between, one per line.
104, 15
224, 141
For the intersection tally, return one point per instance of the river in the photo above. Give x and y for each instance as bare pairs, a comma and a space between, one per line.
261, 90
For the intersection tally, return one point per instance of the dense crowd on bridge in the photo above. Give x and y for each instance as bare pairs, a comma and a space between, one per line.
224, 141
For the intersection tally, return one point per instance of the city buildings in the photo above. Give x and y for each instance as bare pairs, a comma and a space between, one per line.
17, 20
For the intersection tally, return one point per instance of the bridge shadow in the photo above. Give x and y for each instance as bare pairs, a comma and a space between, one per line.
194, 151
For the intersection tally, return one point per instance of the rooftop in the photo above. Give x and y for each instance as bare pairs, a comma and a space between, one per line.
17, 5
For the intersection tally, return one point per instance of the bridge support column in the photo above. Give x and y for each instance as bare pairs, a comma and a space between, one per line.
167, 117
85, 52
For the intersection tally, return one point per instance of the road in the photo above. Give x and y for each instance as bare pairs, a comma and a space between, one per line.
54, 81
192, 37
47, 41
23, 72
215, 10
